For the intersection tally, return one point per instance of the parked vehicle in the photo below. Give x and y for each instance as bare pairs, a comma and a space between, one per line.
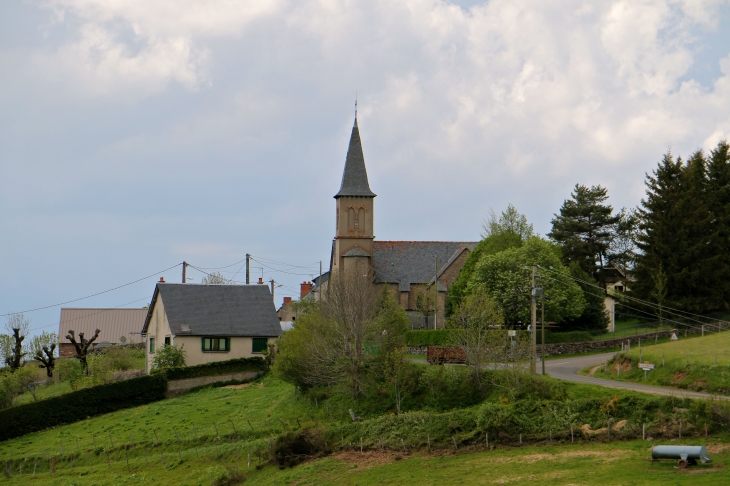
445, 354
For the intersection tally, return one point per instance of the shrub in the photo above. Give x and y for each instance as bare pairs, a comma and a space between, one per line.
564, 337
292, 448
436, 337
69, 369
214, 369
169, 357
78, 405
119, 357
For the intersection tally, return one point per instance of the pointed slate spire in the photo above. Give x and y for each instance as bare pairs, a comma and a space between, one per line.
355, 176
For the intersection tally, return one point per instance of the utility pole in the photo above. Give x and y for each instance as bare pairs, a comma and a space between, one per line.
248, 269
272, 289
184, 275
436, 293
533, 315
542, 326
319, 283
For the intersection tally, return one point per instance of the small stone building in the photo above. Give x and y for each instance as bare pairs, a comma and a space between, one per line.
212, 322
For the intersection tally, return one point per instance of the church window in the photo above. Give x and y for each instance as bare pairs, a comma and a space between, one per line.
360, 218
351, 218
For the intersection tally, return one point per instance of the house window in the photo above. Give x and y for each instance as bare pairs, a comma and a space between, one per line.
167, 340
216, 344
259, 345
152, 345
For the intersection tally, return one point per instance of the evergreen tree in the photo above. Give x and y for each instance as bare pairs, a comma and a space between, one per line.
718, 200
658, 237
584, 229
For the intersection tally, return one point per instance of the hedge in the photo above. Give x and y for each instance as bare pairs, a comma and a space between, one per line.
81, 404
214, 369
440, 337
434, 337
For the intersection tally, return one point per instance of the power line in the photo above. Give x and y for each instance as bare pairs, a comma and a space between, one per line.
306, 267
645, 302
92, 295
101, 311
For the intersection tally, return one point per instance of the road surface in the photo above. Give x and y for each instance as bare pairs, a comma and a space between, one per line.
567, 369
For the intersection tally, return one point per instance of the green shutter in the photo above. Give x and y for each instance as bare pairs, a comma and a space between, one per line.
259, 345
152, 345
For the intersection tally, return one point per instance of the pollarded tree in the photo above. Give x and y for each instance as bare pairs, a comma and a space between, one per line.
82, 347
18, 326
584, 229
507, 277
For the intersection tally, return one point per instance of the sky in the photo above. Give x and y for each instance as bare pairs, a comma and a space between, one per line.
137, 134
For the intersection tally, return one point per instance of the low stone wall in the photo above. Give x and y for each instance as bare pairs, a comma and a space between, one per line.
556, 349
178, 387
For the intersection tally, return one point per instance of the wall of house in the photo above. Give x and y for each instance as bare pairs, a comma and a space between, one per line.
159, 329
241, 347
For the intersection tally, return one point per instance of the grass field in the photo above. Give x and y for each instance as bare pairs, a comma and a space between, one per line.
205, 436
698, 363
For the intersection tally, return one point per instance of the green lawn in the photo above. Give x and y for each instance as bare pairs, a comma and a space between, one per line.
698, 350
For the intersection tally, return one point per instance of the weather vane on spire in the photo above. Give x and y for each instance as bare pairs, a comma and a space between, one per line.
355, 104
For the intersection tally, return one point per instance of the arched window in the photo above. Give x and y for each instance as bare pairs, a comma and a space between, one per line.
351, 218
360, 219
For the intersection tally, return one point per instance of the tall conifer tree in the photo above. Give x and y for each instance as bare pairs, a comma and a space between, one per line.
584, 229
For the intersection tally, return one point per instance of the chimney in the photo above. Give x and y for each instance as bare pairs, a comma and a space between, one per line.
162, 279
261, 280
306, 288
287, 300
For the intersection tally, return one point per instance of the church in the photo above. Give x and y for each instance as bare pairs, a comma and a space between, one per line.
409, 268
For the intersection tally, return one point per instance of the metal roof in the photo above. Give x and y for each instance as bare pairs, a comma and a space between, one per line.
355, 176
217, 310
414, 262
113, 323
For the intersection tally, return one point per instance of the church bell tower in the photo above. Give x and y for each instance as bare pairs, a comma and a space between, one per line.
353, 244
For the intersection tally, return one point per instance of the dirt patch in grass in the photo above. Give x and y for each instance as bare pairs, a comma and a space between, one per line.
717, 448
592, 371
237, 387
368, 459
678, 377
614, 455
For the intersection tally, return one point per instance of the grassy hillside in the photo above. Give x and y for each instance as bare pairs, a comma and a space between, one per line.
204, 436
699, 363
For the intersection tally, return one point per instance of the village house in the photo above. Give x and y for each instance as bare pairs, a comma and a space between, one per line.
410, 269
211, 322
116, 326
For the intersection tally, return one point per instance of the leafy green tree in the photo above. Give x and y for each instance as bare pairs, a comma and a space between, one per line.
399, 374
594, 317
392, 322
72, 371
169, 356
507, 277
508, 230
584, 229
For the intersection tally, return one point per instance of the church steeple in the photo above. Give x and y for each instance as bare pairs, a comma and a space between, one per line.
355, 176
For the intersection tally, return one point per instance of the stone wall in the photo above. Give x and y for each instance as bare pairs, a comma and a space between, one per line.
556, 349
178, 387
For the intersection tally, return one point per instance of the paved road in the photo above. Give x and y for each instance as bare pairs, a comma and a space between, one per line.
567, 369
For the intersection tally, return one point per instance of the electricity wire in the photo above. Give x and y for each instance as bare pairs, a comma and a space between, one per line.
92, 295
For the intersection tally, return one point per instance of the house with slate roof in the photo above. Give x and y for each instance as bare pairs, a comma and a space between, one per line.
406, 267
212, 322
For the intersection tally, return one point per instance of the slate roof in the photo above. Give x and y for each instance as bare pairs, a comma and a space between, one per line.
414, 262
217, 310
355, 176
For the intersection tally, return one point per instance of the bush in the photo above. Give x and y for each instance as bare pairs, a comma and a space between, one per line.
75, 406
292, 448
213, 369
436, 337
169, 357
69, 369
